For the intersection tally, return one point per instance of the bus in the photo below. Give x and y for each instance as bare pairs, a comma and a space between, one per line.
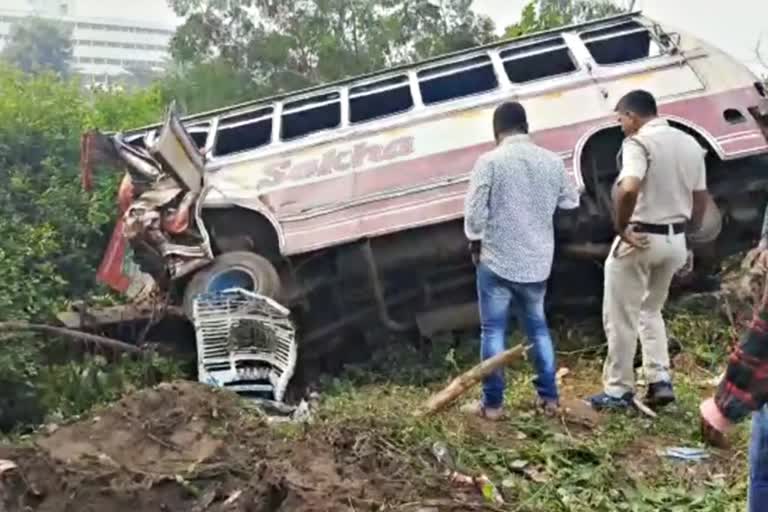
344, 202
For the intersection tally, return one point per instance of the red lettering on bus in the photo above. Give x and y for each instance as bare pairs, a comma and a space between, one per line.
334, 161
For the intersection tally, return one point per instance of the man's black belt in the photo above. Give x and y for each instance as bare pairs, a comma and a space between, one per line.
658, 229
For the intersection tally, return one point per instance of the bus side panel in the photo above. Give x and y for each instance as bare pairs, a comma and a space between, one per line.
428, 188
111, 271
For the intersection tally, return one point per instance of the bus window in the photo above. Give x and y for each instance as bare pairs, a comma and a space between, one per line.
243, 132
625, 42
199, 134
457, 79
380, 99
539, 60
310, 115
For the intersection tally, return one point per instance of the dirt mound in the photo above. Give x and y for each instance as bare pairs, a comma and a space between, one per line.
187, 447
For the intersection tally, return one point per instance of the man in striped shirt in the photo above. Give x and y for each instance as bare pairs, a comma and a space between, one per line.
513, 193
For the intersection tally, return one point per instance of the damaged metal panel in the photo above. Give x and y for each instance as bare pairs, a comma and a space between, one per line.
245, 342
162, 196
176, 150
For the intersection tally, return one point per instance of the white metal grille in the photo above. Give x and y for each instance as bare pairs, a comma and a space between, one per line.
245, 342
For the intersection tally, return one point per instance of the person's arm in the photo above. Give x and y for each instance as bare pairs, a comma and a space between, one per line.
476, 200
634, 166
700, 196
744, 388
569, 193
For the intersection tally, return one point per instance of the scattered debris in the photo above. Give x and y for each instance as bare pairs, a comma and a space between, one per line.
482, 482
684, 453
490, 492
279, 412
7, 465
232, 498
643, 408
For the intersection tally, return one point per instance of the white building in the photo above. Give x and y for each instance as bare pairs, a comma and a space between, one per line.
104, 47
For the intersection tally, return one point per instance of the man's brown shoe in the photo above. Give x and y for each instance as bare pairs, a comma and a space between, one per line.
476, 408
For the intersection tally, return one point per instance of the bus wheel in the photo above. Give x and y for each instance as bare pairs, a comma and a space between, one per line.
237, 269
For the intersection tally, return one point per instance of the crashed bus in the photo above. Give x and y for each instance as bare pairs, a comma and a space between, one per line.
344, 202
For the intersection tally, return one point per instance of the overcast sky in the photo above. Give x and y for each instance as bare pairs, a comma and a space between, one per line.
733, 25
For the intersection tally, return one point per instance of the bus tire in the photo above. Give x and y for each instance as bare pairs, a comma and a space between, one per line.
237, 269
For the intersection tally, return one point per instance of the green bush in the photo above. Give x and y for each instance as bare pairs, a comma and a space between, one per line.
53, 234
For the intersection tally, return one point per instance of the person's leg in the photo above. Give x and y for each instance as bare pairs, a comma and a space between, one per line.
528, 298
624, 287
494, 298
758, 462
671, 254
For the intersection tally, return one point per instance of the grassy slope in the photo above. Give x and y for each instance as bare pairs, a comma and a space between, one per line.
543, 464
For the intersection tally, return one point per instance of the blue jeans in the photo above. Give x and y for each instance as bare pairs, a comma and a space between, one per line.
496, 296
758, 462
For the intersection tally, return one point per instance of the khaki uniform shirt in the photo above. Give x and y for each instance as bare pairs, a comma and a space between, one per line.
670, 164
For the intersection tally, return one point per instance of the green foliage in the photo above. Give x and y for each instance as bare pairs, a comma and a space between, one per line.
71, 388
38, 45
541, 15
201, 86
255, 48
53, 233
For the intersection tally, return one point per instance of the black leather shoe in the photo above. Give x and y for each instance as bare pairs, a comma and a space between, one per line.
659, 394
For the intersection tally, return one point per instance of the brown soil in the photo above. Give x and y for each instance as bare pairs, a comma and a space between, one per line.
643, 461
187, 447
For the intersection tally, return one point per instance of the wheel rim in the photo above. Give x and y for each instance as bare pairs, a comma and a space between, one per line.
232, 278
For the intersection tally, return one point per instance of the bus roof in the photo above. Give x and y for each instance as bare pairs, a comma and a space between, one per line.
202, 116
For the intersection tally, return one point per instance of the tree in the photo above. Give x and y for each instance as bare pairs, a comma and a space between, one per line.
201, 86
290, 44
37, 45
541, 15
53, 234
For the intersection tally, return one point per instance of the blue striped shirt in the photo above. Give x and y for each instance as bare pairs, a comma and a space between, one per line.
513, 193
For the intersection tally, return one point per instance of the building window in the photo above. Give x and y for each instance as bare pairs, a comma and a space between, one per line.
625, 42
310, 115
543, 59
380, 99
446, 82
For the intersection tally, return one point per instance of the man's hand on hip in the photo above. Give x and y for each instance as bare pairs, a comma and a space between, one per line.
636, 240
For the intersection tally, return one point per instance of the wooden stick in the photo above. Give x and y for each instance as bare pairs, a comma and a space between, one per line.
468, 379
69, 333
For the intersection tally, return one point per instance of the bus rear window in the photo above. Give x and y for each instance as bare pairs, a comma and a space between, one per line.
309, 115
244, 132
457, 80
543, 59
626, 42
379, 99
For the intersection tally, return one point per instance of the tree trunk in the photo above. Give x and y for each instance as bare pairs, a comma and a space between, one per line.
468, 379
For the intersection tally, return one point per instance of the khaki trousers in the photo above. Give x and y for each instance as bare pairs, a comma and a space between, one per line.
636, 289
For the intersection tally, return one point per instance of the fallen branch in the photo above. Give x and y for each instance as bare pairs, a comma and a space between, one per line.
69, 333
468, 379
